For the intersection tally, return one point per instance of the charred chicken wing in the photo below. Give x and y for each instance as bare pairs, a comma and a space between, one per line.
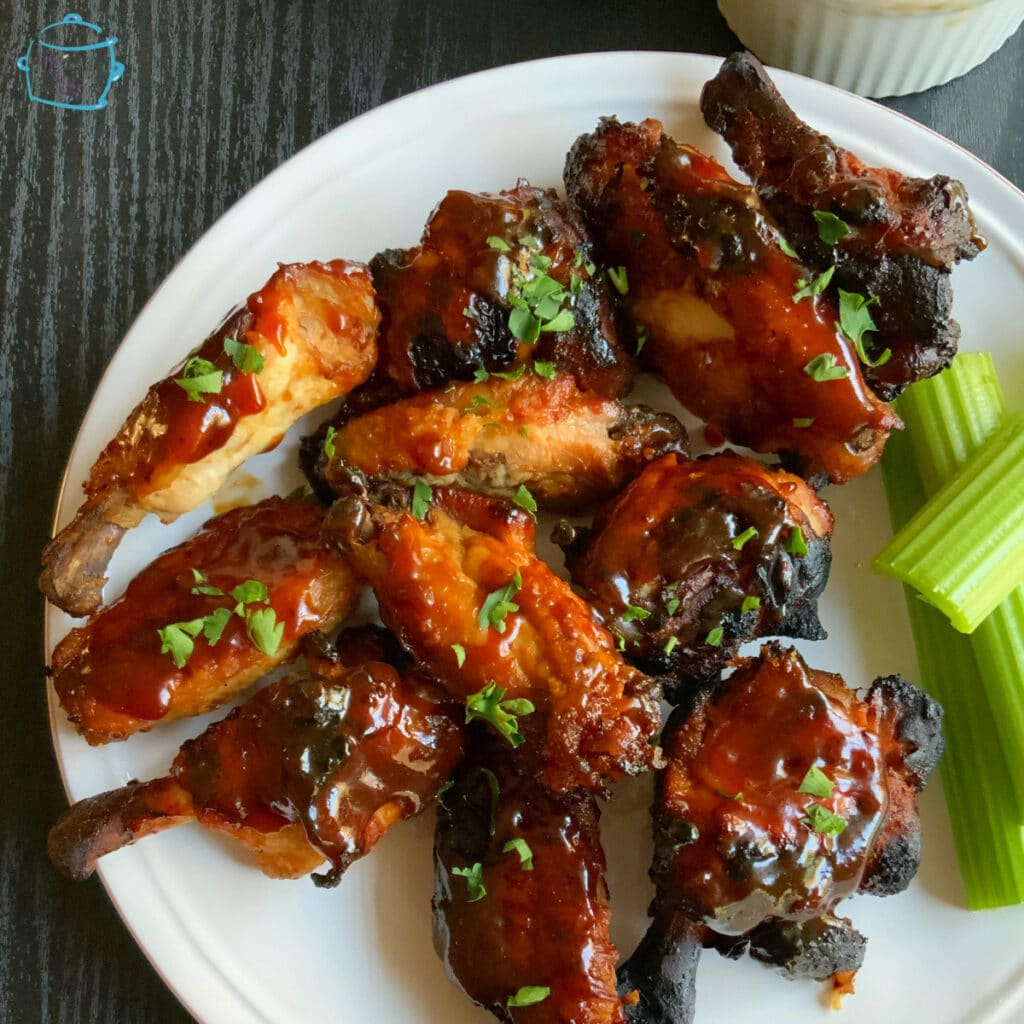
698, 557
728, 320
567, 447
461, 587
890, 237
494, 278
204, 621
308, 336
315, 767
521, 909
783, 794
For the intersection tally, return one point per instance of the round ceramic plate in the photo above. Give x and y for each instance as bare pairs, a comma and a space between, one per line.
238, 948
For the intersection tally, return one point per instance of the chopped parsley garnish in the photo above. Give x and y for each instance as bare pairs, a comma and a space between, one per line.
525, 500
480, 375
460, 654
635, 614
474, 881
249, 592
247, 358
641, 338
577, 258
214, 624
545, 370
539, 302
672, 606
671, 644
524, 325
750, 604
509, 374
855, 321
329, 442
522, 847
200, 377
823, 367
715, 637
620, 641
796, 545
202, 585
264, 630
803, 421
563, 320
748, 534
470, 313
478, 403
499, 244
177, 640
820, 819
498, 603
619, 278
422, 494
830, 227
817, 783
528, 995
530, 242
787, 248
808, 289
490, 705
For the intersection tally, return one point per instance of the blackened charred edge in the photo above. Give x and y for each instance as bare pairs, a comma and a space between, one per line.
894, 864
917, 724
662, 971
814, 949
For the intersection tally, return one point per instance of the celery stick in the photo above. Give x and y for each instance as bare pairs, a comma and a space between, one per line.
964, 551
985, 812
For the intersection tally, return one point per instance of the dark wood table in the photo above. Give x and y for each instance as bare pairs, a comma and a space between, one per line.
97, 209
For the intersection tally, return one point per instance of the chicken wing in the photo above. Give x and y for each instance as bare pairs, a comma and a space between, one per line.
317, 766
204, 621
308, 336
783, 794
726, 318
698, 557
567, 447
494, 278
898, 237
521, 910
464, 592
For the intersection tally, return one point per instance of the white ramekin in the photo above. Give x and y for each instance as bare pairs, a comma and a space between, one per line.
875, 47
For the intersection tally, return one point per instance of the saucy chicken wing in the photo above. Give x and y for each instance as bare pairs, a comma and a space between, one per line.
783, 794
204, 621
890, 237
521, 912
308, 336
695, 558
495, 277
726, 318
315, 767
462, 589
567, 447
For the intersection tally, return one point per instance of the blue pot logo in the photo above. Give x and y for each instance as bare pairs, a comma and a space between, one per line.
71, 64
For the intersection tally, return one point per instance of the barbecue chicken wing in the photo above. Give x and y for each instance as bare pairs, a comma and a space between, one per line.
315, 767
567, 447
463, 590
494, 278
196, 626
715, 301
308, 336
903, 234
783, 794
695, 558
520, 901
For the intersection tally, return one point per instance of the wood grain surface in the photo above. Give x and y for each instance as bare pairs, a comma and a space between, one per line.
96, 208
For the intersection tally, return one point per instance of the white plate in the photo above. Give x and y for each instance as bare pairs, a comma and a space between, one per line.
238, 948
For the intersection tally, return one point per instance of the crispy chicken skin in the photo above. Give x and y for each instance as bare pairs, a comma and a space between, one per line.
595, 719
313, 324
714, 295
689, 545
750, 860
110, 674
447, 302
906, 233
569, 448
542, 922
315, 767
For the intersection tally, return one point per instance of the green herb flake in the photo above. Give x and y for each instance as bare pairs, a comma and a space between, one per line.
247, 358
474, 881
480, 375
748, 534
787, 248
177, 640
822, 820
469, 313
545, 370
635, 614
460, 654
830, 228
796, 545
200, 377
498, 604
809, 289
329, 437
422, 494
823, 367
511, 374
530, 242
214, 625
524, 325
528, 995
641, 338
817, 783
522, 847
855, 322
264, 630
525, 500
750, 604
802, 422
715, 637
672, 606
671, 644
619, 278
250, 592
563, 320
499, 244
202, 585
489, 704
